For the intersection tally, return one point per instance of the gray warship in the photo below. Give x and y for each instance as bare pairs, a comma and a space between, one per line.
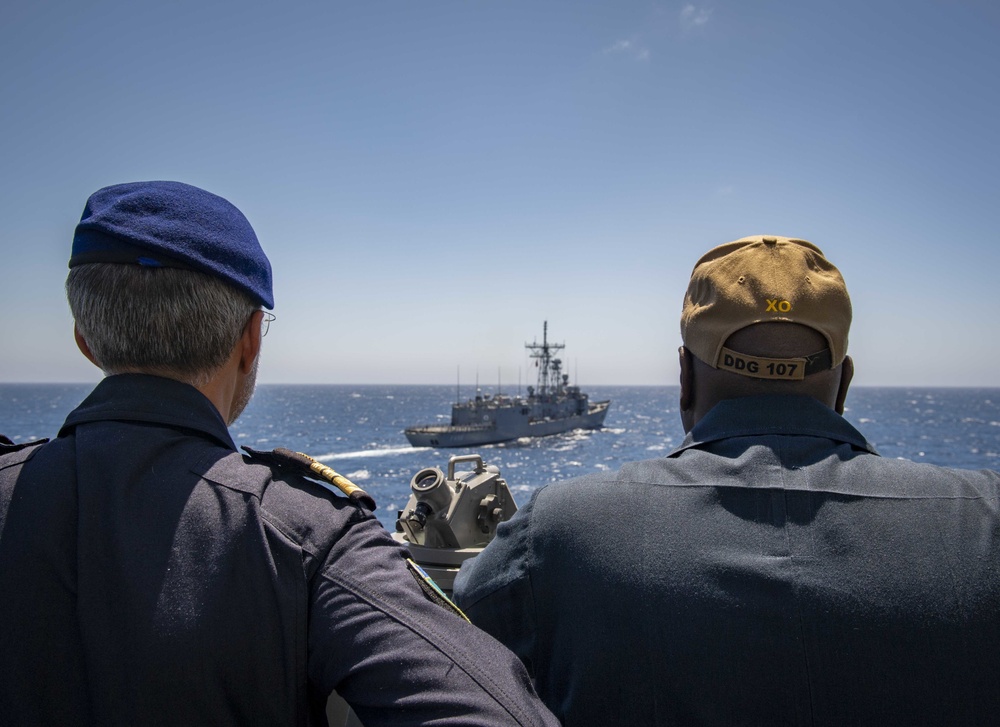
553, 407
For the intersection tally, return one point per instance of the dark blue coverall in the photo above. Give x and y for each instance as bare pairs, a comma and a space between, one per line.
150, 574
773, 570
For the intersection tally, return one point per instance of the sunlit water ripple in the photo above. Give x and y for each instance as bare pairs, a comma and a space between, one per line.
358, 430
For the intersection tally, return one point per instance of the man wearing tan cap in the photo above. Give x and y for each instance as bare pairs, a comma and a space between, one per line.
773, 569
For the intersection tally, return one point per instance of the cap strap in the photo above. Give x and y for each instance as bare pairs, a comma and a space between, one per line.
784, 369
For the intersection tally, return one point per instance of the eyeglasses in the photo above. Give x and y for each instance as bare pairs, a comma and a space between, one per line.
265, 323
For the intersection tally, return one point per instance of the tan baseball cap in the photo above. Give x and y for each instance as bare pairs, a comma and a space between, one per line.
760, 279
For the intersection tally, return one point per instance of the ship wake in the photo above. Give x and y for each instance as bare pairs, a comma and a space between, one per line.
365, 453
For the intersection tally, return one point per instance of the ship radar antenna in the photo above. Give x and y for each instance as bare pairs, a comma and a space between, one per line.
549, 368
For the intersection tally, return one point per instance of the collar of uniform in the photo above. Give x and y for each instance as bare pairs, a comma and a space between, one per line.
154, 400
761, 415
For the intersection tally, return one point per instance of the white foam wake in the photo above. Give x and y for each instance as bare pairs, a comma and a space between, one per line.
388, 452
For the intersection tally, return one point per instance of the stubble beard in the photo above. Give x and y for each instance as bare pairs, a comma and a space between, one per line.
245, 394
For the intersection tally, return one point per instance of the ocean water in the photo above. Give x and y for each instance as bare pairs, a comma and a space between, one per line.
358, 430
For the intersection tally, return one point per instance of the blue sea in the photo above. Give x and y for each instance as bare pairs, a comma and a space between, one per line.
358, 430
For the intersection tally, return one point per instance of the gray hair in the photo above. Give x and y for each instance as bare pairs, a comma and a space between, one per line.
178, 323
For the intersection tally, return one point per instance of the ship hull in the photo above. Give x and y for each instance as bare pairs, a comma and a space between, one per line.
475, 435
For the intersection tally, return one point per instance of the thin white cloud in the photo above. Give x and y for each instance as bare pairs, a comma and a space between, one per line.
694, 17
630, 48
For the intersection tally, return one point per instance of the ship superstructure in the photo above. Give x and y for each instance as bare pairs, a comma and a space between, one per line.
551, 407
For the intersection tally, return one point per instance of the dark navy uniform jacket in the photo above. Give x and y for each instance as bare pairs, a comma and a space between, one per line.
774, 570
149, 574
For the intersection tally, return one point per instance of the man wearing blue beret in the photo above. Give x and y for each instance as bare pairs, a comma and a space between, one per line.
150, 574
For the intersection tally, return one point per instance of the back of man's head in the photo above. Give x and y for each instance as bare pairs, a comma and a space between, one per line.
163, 279
764, 314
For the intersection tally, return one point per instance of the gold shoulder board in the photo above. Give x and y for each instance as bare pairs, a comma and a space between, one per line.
305, 465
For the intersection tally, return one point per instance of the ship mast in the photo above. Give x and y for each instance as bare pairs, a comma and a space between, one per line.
549, 368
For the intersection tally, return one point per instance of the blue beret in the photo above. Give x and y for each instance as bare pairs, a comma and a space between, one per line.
169, 224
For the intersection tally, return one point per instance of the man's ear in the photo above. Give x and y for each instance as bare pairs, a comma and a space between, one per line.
81, 343
687, 378
250, 342
846, 375
687, 399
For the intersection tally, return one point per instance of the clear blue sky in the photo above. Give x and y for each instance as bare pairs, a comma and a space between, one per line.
432, 179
